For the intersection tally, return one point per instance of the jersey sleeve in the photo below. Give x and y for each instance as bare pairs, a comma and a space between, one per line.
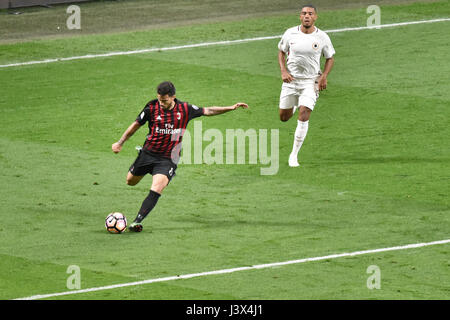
328, 49
143, 116
283, 45
194, 111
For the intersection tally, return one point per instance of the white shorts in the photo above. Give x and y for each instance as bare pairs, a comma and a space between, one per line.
299, 93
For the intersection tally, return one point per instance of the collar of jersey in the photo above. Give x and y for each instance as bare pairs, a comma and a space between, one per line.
299, 29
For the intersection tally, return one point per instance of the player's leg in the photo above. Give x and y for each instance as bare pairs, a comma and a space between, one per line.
163, 171
286, 114
307, 101
304, 113
140, 167
160, 182
300, 134
133, 180
288, 102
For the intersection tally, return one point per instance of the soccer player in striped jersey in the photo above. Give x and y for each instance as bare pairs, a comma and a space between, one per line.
167, 119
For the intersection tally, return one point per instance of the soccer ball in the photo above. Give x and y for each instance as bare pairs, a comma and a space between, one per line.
116, 222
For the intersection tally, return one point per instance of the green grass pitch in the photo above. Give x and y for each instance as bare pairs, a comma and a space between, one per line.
374, 167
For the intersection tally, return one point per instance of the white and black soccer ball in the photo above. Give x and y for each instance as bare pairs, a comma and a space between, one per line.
116, 222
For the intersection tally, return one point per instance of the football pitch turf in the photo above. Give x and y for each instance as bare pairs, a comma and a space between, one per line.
375, 166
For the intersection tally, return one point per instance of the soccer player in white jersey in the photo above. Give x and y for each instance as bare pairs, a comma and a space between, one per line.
300, 50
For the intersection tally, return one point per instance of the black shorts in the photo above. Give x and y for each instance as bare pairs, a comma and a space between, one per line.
153, 164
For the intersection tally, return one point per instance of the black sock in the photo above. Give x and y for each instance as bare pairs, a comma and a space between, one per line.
147, 206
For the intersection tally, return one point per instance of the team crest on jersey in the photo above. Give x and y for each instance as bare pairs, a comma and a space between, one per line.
315, 46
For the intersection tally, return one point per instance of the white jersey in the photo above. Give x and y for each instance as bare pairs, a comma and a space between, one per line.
304, 51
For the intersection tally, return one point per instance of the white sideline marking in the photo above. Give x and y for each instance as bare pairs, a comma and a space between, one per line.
225, 271
205, 44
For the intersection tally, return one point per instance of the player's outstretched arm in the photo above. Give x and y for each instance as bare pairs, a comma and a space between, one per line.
117, 146
213, 111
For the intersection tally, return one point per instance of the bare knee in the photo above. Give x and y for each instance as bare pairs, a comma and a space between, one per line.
158, 187
304, 113
159, 183
133, 180
285, 114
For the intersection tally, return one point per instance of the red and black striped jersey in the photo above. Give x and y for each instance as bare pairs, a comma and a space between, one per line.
166, 127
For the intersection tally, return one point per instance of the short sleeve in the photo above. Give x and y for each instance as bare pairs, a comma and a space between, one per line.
194, 111
143, 116
328, 49
283, 45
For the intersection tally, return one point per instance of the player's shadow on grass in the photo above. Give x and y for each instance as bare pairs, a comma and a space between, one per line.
387, 159
199, 223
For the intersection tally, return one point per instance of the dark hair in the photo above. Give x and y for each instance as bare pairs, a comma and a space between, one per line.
309, 6
166, 87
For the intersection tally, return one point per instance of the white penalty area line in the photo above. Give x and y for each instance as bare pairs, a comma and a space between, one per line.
206, 44
232, 270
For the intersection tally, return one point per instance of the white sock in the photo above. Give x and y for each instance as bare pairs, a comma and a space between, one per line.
299, 136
